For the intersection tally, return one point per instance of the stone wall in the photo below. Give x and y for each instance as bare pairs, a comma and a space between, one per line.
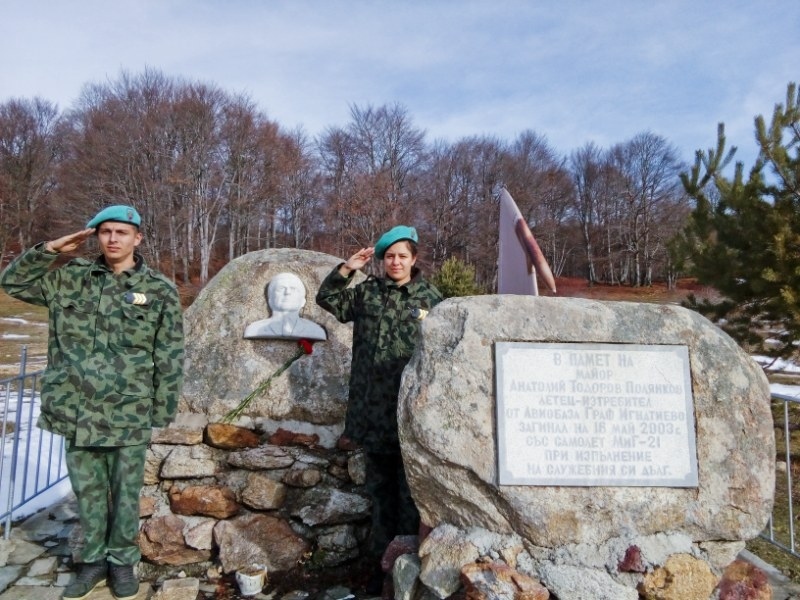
225, 494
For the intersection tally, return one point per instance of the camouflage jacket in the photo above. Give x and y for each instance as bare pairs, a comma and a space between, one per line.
385, 331
114, 367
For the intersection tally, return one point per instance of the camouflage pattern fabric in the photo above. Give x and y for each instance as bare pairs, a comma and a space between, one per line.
107, 482
386, 321
114, 367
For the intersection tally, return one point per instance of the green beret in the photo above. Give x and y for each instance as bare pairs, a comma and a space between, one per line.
121, 213
394, 235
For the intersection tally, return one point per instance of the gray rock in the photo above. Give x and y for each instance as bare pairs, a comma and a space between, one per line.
263, 493
339, 538
574, 583
9, 574
313, 389
198, 532
328, 506
38, 527
156, 453
296, 595
42, 567
357, 468
338, 592
302, 477
405, 576
185, 462
6, 547
19, 551
264, 457
185, 588
447, 426
335, 545
26, 592
443, 553
177, 435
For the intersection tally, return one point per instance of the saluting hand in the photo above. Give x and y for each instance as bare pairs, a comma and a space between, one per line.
358, 260
70, 242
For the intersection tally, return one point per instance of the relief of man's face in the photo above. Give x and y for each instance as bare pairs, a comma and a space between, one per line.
286, 293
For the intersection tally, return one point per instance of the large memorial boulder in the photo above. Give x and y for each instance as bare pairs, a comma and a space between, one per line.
222, 367
449, 426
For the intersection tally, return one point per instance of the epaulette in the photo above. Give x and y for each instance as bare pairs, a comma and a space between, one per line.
161, 277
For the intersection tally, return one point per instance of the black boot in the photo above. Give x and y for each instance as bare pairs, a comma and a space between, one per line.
123, 581
90, 576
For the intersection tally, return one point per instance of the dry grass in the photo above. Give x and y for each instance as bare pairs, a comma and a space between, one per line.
21, 325
788, 472
657, 293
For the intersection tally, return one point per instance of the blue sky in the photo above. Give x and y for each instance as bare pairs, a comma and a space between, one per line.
573, 71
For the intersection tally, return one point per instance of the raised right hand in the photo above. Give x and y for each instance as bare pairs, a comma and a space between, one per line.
359, 259
69, 242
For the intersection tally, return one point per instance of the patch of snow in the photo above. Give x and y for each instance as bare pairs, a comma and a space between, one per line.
32, 460
777, 365
792, 391
16, 320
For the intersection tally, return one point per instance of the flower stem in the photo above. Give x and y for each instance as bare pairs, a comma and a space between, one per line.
237, 412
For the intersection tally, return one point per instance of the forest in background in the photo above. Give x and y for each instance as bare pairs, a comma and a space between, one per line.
214, 178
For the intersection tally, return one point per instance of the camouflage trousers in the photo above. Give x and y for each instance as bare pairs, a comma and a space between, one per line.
107, 483
393, 509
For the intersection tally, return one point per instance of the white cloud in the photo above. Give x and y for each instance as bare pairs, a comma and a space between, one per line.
574, 72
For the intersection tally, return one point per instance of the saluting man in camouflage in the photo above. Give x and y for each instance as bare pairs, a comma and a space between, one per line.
386, 313
114, 371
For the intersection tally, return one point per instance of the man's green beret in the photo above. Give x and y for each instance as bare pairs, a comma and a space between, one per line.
120, 212
394, 235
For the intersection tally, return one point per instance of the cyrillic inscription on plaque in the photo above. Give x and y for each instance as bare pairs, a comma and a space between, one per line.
594, 415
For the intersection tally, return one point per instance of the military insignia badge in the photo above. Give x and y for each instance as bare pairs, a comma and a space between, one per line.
418, 313
136, 298
130, 214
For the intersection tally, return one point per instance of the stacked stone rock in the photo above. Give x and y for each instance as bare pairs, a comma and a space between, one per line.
222, 493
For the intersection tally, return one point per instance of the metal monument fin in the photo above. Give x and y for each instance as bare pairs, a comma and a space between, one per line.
520, 256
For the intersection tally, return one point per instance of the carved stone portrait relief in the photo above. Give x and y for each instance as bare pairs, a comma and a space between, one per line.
286, 296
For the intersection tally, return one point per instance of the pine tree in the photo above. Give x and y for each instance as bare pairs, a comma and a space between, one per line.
743, 237
456, 278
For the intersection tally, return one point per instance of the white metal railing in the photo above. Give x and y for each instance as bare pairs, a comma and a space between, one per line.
787, 540
32, 460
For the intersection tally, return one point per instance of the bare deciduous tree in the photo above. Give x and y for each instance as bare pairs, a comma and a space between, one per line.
366, 168
28, 157
214, 179
543, 191
298, 191
463, 180
651, 190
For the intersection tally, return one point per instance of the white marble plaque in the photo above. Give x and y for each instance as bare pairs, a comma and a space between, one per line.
594, 415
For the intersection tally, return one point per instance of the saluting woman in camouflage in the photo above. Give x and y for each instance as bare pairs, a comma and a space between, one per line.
114, 371
386, 313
